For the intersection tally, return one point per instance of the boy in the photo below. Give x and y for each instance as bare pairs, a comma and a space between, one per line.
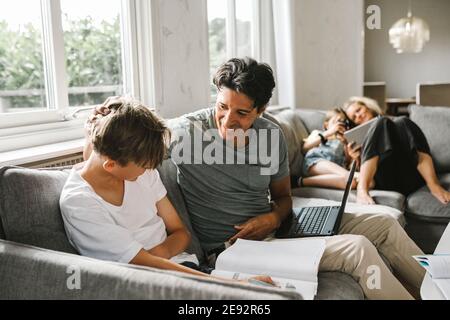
114, 205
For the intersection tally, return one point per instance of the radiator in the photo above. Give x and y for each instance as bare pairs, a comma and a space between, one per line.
64, 161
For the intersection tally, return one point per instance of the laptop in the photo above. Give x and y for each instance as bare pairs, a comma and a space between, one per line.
316, 221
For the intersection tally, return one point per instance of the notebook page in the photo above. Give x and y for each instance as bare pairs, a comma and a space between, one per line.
296, 259
306, 289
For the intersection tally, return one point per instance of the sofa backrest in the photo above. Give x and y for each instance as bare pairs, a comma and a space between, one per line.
30, 214
296, 125
29, 207
435, 124
168, 173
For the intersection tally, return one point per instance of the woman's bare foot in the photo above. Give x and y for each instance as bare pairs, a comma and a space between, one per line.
363, 197
440, 193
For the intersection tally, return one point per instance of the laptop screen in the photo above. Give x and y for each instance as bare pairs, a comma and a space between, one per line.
349, 185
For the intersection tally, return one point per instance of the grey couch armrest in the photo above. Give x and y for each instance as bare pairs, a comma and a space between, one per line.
28, 272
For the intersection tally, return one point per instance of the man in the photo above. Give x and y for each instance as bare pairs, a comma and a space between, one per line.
229, 200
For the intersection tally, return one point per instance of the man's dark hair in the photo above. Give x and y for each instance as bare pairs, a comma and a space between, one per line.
249, 77
131, 133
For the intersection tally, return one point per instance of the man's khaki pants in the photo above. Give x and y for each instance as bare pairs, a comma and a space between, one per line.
355, 251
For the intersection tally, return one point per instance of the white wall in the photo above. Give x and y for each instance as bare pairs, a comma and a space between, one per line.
181, 57
402, 72
326, 65
329, 58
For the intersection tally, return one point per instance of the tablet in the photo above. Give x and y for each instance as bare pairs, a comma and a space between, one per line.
358, 134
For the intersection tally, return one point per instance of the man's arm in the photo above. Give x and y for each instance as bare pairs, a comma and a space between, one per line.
260, 227
178, 239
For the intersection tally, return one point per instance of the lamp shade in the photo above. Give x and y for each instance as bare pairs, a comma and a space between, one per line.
409, 34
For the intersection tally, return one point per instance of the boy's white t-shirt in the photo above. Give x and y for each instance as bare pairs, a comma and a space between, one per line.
104, 231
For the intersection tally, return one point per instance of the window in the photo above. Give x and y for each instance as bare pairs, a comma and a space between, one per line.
233, 31
58, 57
22, 83
93, 50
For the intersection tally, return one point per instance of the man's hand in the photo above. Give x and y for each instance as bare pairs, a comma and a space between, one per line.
258, 227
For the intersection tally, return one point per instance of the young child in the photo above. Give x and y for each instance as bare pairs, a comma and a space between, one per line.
114, 205
327, 155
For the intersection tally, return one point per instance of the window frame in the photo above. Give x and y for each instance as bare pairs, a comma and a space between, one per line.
231, 29
59, 118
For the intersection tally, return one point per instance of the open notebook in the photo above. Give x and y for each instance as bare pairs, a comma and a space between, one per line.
292, 263
438, 266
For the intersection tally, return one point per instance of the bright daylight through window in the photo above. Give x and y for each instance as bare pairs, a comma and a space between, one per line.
232, 31
91, 53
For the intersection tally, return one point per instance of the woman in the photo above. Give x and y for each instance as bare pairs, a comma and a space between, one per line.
395, 153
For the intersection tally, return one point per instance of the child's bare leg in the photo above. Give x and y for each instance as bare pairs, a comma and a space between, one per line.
328, 174
426, 170
327, 167
325, 181
366, 176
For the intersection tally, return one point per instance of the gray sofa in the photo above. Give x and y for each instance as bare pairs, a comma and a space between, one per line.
36, 259
424, 218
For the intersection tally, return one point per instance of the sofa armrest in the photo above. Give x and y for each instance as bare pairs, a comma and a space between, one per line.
28, 272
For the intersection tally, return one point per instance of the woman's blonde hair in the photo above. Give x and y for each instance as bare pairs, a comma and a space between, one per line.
371, 104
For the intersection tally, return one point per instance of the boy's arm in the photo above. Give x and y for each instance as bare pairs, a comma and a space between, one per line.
178, 237
144, 258
312, 141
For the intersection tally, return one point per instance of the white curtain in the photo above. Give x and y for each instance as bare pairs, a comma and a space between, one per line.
277, 47
282, 12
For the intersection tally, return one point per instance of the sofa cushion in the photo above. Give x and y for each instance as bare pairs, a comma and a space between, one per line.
294, 132
422, 204
168, 173
338, 286
28, 272
29, 209
435, 124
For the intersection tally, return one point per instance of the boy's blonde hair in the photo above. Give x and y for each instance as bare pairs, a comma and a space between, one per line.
331, 113
131, 132
334, 112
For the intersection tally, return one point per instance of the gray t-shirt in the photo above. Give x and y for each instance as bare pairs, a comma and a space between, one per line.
224, 186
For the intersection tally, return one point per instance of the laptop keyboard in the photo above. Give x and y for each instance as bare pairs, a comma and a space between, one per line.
313, 221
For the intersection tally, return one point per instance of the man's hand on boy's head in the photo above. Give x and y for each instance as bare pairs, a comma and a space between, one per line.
101, 111
257, 228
